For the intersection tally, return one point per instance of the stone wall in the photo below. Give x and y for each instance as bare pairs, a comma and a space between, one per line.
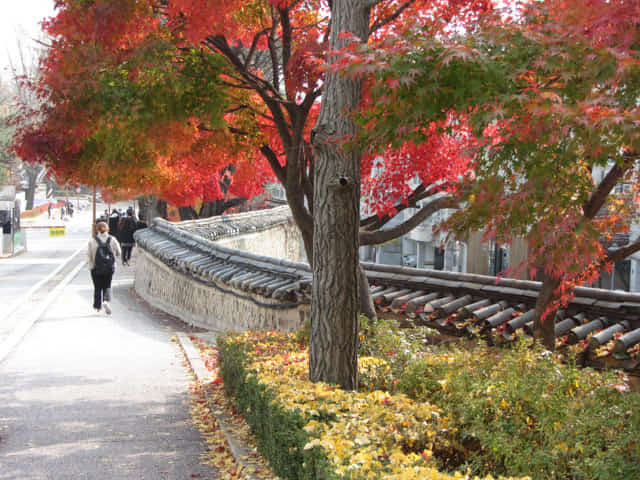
201, 271
209, 306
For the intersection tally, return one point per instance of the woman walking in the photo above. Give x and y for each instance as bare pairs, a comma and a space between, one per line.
103, 248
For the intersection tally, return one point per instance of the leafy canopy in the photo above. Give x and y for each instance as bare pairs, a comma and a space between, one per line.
552, 98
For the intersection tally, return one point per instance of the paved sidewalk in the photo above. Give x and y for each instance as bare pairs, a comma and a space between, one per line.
91, 396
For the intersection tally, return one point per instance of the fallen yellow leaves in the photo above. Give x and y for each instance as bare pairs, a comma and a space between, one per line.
218, 454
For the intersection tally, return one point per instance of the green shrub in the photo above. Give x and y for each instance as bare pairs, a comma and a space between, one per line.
521, 412
383, 338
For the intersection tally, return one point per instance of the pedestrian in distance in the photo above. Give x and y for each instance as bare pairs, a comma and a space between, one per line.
49, 210
103, 248
114, 218
126, 229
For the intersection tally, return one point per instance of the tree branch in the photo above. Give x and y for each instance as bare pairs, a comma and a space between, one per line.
254, 45
272, 158
598, 198
375, 222
385, 21
219, 43
622, 253
381, 236
286, 42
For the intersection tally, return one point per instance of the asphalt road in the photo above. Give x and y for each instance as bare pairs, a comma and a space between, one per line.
44, 254
91, 396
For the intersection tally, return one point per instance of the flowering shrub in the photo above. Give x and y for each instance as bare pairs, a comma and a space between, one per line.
314, 430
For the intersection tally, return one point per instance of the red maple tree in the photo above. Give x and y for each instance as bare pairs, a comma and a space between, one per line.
152, 92
552, 92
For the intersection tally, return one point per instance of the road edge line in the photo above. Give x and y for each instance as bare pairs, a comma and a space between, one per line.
19, 332
35, 287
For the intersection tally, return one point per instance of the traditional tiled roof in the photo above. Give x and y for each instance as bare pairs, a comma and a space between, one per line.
187, 247
216, 228
602, 326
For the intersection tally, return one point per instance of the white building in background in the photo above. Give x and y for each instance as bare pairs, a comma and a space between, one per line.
420, 248
625, 274
423, 247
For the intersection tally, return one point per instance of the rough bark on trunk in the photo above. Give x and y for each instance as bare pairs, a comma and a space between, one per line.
335, 307
150, 207
544, 331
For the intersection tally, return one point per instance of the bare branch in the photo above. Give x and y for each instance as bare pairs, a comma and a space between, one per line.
254, 46
622, 253
272, 158
219, 43
271, 98
286, 39
375, 222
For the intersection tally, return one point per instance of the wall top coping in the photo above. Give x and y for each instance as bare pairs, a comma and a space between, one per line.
223, 226
204, 235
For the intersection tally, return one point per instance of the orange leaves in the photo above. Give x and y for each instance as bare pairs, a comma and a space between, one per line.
607, 23
194, 20
113, 24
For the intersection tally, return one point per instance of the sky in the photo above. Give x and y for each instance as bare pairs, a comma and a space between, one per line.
19, 21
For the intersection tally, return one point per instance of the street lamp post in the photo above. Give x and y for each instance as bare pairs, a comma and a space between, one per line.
93, 224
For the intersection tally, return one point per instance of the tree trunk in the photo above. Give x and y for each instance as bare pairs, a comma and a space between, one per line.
544, 331
187, 213
333, 347
218, 207
367, 308
209, 209
150, 207
30, 194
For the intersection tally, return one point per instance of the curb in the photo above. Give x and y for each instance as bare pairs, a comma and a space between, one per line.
239, 449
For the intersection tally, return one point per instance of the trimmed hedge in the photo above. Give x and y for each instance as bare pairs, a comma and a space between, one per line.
279, 433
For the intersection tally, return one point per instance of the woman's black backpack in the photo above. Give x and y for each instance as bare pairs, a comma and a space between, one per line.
105, 260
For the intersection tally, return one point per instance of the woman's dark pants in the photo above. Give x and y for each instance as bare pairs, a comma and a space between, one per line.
101, 289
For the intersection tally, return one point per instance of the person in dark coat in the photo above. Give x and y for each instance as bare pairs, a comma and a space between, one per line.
126, 228
114, 219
